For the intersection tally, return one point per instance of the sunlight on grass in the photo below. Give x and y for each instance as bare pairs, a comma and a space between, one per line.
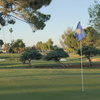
57, 84
18, 82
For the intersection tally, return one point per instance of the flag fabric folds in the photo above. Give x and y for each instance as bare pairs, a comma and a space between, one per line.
79, 32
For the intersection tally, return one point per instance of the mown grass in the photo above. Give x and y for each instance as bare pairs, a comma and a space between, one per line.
9, 55
49, 84
12, 61
20, 83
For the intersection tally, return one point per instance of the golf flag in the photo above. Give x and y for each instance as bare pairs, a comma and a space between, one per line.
79, 32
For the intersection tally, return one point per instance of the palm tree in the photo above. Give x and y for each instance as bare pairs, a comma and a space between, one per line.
11, 30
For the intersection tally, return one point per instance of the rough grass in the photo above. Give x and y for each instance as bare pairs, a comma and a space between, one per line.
49, 84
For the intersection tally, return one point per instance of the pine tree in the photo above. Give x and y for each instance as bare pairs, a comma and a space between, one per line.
90, 40
56, 55
24, 10
89, 52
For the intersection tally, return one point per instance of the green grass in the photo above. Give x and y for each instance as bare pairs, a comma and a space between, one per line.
9, 55
12, 61
20, 83
49, 84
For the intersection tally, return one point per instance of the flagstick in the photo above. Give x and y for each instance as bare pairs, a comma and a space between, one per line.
81, 67
4, 36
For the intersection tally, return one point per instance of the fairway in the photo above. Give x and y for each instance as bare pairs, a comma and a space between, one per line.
49, 84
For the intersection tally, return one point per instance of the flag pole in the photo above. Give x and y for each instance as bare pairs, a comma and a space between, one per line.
80, 34
81, 67
4, 36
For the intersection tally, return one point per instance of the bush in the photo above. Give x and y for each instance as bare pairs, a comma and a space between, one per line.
56, 55
30, 55
1, 52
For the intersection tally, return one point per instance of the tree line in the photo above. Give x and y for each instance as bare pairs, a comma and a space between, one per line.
18, 46
28, 12
69, 42
57, 54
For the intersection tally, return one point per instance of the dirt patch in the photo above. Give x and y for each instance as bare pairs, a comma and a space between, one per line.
71, 66
96, 59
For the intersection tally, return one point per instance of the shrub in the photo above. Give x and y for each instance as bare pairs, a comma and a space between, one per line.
30, 55
56, 55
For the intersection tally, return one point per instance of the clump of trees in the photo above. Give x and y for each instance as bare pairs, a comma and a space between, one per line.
64, 36
24, 10
89, 52
7, 47
56, 55
92, 40
29, 56
46, 46
17, 46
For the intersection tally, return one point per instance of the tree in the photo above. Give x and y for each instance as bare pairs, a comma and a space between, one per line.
29, 48
18, 45
30, 55
71, 42
89, 52
1, 43
90, 40
49, 44
63, 37
11, 30
38, 45
24, 10
98, 43
7, 47
44, 47
94, 13
56, 55
55, 47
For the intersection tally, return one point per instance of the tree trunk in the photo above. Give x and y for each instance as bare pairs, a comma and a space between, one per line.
73, 52
90, 61
30, 63
18, 51
23, 62
61, 64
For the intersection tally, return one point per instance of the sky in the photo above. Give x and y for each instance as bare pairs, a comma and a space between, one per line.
64, 13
